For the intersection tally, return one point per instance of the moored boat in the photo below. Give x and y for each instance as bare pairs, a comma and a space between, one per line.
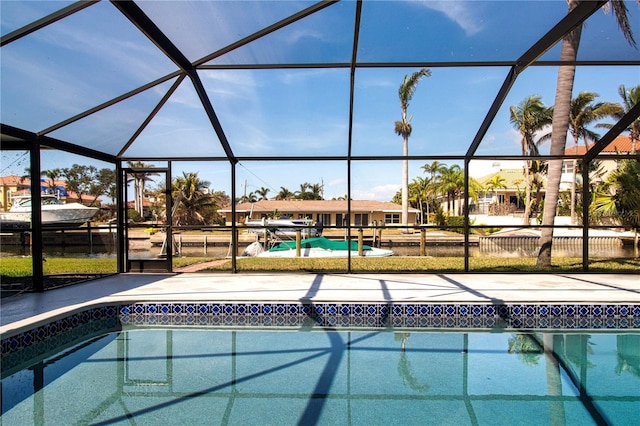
315, 247
55, 213
285, 226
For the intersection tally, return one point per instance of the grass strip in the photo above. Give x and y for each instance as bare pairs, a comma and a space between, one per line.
21, 266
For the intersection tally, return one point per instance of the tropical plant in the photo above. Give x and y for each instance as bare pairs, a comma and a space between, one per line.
139, 179
191, 200
560, 122
450, 180
584, 112
262, 193
403, 128
52, 175
619, 198
496, 182
284, 194
451, 184
630, 97
529, 117
435, 170
248, 198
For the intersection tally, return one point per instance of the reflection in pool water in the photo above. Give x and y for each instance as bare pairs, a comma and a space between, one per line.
213, 376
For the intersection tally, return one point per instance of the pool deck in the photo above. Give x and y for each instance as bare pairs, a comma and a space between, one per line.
29, 310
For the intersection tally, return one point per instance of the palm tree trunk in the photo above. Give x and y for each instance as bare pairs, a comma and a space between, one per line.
527, 192
405, 183
559, 128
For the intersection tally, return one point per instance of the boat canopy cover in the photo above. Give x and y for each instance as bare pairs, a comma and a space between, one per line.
319, 242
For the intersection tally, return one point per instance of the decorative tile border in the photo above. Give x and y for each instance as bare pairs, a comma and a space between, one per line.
545, 316
377, 315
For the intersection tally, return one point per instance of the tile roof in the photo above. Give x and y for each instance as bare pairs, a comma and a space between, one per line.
621, 144
513, 178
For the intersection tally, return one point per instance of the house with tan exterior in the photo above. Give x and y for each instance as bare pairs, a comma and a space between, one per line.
328, 212
12, 186
620, 145
512, 193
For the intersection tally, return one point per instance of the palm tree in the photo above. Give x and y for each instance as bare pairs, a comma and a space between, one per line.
584, 112
284, 194
191, 198
621, 193
496, 182
529, 117
262, 193
139, 181
52, 175
630, 98
418, 190
403, 128
316, 191
434, 169
560, 124
450, 180
302, 194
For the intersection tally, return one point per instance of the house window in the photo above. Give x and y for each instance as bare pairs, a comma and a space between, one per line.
361, 219
391, 218
324, 218
341, 219
567, 167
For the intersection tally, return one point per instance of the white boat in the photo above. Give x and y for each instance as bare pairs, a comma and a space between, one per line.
315, 247
55, 213
284, 226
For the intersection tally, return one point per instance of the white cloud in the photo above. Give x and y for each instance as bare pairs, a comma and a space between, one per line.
379, 192
458, 12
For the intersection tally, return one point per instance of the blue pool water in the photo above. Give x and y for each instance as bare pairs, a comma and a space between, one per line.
323, 377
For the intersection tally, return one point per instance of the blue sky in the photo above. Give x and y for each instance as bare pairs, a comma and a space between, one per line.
97, 55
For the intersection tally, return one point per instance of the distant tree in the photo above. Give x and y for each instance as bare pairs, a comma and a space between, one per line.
248, 198
496, 182
193, 203
284, 194
316, 191
529, 117
582, 114
403, 128
619, 197
79, 179
139, 178
103, 182
52, 175
451, 181
630, 97
262, 193
302, 194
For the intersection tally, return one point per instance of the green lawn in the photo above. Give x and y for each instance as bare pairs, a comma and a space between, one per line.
21, 266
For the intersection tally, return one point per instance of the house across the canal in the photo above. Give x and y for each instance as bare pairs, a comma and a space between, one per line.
328, 212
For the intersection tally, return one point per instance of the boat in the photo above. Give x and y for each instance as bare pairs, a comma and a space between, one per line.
55, 213
315, 247
285, 226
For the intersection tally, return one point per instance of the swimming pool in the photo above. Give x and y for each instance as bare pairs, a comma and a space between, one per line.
317, 375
